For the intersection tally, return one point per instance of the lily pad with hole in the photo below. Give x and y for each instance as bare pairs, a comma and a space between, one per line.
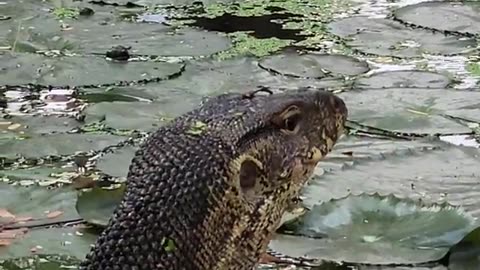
314, 66
452, 16
118, 162
97, 205
415, 110
375, 229
23, 69
404, 79
139, 116
396, 40
57, 145
40, 262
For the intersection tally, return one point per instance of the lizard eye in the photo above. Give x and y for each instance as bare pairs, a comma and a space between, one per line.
289, 120
291, 123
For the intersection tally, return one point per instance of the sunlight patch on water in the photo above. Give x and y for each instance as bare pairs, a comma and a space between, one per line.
454, 65
381, 8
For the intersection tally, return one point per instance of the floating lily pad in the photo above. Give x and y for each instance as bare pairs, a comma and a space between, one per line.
211, 77
29, 125
117, 163
105, 29
163, 2
376, 229
351, 149
394, 39
452, 16
446, 174
96, 206
68, 241
139, 116
40, 262
404, 79
57, 145
313, 65
77, 71
416, 110
44, 175
37, 202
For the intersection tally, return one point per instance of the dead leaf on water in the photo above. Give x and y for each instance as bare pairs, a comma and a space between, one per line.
54, 214
4, 213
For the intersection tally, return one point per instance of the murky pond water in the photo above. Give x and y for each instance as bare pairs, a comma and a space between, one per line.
72, 118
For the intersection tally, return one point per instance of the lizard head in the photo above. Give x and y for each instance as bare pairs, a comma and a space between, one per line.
280, 138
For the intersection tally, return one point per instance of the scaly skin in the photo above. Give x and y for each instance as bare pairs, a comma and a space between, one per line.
208, 190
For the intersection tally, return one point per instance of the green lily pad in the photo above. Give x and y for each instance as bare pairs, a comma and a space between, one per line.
36, 202
452, 16
57, 145
313, 65
209, 77
70, 241
97, 205
31, 125
163, 2
40, 262
404, 79
105, 29
446, 173
394, 39
44, 175
376, 229
78, 71
352, 149
118, 162
139, 116
416, 110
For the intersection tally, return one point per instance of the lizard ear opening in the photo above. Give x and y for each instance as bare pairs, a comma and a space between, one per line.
249, 173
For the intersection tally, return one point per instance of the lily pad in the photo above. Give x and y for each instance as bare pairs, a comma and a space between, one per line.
416, 110
57, 145
40, 262
37, 202
404, 79
117, 163
105, 29
96, 206
352, 149
394, 39
44, 175
70, 241
452, 16
29, 125
25, 69
209, 77
139, 116
376, 229
443, 174
313, 65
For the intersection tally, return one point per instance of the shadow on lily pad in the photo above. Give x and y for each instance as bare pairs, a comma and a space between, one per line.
96, 205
